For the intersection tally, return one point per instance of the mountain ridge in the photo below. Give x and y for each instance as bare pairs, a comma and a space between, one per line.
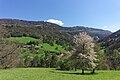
112, 41
71, 31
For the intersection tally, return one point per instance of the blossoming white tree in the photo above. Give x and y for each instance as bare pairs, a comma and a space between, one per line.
83, 54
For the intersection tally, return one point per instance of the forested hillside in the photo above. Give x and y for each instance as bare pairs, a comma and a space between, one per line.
44, 44
95, 33
112, 41
111, 44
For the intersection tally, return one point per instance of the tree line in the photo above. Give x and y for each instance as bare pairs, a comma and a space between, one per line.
86, 54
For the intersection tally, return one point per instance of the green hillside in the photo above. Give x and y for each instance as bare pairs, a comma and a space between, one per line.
22, 39
45, 46
54, 48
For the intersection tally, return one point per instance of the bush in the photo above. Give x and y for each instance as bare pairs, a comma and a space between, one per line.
64, 65
16, 34
4, 67
33, 42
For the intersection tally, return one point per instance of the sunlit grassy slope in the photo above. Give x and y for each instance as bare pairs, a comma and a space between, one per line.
22, 39
52, 74
54, 48
45, 46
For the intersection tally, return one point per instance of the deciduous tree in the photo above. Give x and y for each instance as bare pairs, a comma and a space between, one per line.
83, 55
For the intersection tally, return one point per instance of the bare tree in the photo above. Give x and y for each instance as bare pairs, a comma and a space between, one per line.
83, 55
9, 56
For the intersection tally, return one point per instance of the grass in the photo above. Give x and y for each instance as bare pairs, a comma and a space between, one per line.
54, 48
22, 39
32, 55
52, 74
45, 47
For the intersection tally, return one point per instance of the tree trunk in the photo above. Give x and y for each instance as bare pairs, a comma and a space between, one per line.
82, 71
93, 71
72, 68
75, 69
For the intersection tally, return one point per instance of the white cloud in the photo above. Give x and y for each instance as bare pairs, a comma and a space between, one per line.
55, 21
111, 28
105, 26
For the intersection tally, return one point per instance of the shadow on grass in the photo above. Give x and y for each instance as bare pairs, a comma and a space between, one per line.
75, 73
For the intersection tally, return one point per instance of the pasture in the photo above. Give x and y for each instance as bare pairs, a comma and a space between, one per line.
45, 46
22, 39
52, 74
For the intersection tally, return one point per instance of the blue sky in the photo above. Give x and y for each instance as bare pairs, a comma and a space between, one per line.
104, 14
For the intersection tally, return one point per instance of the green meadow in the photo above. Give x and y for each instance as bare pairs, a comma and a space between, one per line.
22, 39
45, 46
52, 74
54, 48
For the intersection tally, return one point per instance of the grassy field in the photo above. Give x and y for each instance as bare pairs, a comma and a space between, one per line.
52, 74
54, 48
45, 46
22, 39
